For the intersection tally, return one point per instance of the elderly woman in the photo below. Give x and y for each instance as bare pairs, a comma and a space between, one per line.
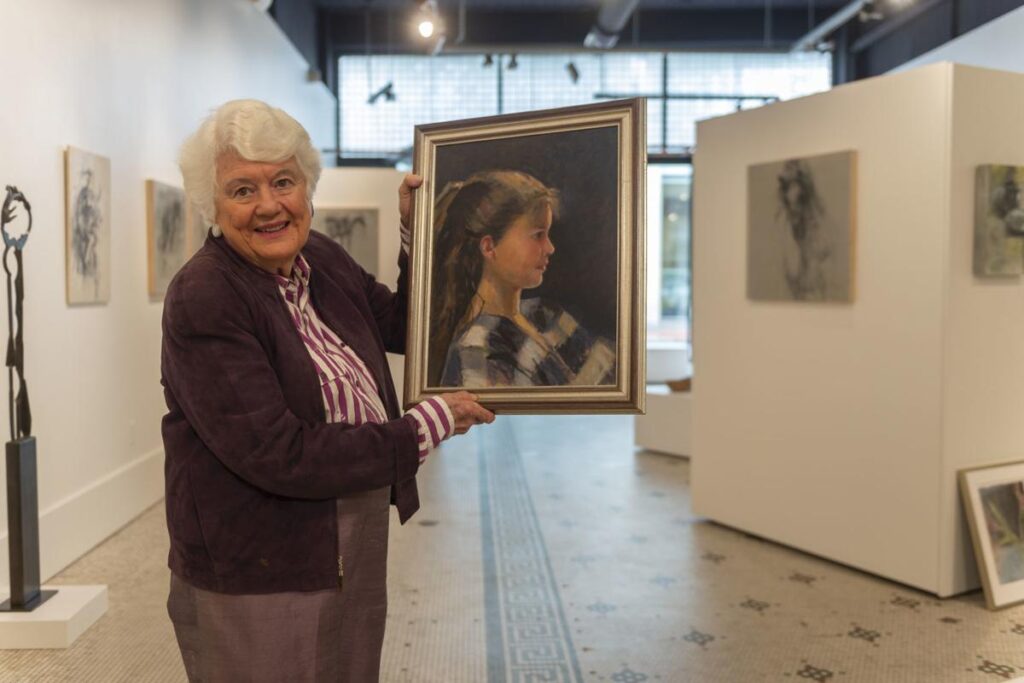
284, 439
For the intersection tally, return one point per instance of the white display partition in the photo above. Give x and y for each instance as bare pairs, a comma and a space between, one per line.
839, 428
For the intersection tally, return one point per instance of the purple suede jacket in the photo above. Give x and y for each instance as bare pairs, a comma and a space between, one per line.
252, 469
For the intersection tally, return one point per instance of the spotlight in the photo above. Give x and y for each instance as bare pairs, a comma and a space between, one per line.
488, 60
428, 21
513, 62
574, 73
869, 12
387, 92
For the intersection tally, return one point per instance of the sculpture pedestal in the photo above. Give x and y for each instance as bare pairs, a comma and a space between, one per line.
23, 527
56, 623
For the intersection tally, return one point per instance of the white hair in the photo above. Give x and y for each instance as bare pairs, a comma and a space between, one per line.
255, 131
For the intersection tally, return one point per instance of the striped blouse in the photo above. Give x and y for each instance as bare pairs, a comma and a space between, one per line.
349, 391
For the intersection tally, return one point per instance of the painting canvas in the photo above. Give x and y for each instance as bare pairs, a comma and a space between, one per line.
87, 226
998, 221
354, 229
166, 216
800, 229
528, 260
994, 500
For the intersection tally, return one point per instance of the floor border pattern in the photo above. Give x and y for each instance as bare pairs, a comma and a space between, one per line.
527, 634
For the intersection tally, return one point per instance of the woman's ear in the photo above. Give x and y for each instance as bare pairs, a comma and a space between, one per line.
487, 247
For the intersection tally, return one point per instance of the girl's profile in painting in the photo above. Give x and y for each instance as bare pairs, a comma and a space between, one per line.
493, 242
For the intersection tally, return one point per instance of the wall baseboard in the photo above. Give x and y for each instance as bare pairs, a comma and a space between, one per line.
75, 525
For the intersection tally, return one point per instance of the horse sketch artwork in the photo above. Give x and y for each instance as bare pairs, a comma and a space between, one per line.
355, 230
166, 215
87, 207
800, 229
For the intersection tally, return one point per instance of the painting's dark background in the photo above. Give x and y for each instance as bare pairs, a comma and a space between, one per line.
583, 166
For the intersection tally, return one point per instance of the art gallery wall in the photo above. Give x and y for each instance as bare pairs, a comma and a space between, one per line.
995, 45
127, 80
841, 431
371, 188
984, 370
820, 425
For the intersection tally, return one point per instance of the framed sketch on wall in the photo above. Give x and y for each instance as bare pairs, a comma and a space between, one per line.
166, 239
354, 229
998, 221
994, 500
800, 229
528, 260
87, 226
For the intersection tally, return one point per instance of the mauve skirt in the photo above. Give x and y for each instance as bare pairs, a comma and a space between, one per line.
320, 636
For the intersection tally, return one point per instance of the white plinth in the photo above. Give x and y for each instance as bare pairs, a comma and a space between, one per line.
57, 623
666, 426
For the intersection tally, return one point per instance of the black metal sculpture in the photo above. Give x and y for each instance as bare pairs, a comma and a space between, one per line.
20, 412
22, 498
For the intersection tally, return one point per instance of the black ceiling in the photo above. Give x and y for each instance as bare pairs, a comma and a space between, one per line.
512, 5
352, 26
324, 30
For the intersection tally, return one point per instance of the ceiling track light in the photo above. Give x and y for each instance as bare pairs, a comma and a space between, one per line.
429, 25
513, 62
387, 92
574, 73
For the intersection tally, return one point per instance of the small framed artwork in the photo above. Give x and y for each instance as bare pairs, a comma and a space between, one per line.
87, 226
527, 278
994, 500
166, 239
800, 229
998, 221
354, 229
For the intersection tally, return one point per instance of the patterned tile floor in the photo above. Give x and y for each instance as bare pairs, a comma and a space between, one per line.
548, 550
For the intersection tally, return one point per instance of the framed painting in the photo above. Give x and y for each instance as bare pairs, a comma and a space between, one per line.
998, 221
87, 226
528, 260
994, 500
166, 238
354, 229
800, 229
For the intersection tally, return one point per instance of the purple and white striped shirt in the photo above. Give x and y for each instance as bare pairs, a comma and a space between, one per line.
349, 391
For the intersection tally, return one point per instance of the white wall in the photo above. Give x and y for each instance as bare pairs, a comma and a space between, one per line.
820, 426
128, 80
984, 372
995, 45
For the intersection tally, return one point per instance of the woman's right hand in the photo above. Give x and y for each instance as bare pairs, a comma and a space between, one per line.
466, 410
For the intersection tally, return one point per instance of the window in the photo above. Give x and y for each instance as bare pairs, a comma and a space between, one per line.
376, 121
681, 88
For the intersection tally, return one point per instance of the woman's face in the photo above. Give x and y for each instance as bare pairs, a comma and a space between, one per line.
521, 256
263, 210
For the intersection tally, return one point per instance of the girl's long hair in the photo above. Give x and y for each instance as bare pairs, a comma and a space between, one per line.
486, 203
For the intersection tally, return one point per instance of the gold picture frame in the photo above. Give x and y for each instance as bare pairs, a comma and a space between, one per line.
547, 314
994, 502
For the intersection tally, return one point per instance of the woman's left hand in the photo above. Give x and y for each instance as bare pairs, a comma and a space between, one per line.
405, 190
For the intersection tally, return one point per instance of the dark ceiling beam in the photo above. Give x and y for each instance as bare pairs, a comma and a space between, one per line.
560, 29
